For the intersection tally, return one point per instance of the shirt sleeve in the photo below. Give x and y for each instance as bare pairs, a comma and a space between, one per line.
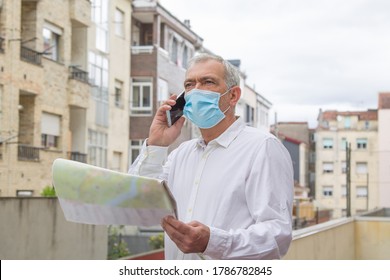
151, 162
269, 237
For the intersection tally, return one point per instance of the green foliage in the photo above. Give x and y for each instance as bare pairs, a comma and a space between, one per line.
49, 191
157, 241
117, 248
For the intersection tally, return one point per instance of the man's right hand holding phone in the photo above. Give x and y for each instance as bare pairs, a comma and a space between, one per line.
160, 134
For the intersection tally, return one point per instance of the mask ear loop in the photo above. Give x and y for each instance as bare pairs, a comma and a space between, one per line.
223, 95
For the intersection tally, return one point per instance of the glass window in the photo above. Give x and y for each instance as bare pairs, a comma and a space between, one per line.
141, 98
327, 167
343, 167
51, 40
347, 122
174, 50
327, 143
98, 76
185, 57
50, 130
361, 143
361, 191
135, 148
361, 167
97, 148
118, 93
343, 144
343, 190
119, 23
100, 18
327, 191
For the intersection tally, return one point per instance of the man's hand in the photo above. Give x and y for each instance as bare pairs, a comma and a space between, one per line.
160, 134
189, 238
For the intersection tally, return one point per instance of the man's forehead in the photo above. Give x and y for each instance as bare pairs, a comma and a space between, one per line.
204, 69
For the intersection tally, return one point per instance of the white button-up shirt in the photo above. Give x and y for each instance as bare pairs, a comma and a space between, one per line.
240, 185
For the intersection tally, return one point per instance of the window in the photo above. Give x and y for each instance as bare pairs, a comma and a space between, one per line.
367, 125
361, 168
50, 130
361, 143
185, 57
98, 76
343, 167
343, 190
24, 193
327, 167
141, 97
327, 143
249, 115
327, 191
119, 23
97, 148
51, 41
162, 93
347, 122
361, 191
100, 18
118, 93
135, 148
174, 50
344, 144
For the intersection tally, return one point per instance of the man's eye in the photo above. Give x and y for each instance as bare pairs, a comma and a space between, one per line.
209, 82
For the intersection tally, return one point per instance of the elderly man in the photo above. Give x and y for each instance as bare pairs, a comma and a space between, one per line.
233, 185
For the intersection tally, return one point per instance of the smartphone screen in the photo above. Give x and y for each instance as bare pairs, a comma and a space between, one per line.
177, 110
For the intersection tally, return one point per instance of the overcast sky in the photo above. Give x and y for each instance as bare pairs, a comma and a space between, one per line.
301, 55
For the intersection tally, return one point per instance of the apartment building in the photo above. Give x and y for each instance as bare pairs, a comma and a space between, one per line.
63, 92
160, 49
335, 131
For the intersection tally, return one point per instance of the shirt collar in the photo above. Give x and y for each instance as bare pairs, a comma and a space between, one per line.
227, 137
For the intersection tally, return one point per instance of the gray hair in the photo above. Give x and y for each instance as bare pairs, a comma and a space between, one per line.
232, 77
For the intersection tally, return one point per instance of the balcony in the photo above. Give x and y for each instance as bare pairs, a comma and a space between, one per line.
77, 156
78, 74
28, 153
80, 12
30, 56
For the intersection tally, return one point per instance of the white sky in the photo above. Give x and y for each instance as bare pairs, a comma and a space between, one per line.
301, 55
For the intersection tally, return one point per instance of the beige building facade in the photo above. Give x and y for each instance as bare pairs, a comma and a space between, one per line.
62, 94
335, 131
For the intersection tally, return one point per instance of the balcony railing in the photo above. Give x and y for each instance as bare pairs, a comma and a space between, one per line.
30, 55
77, 156
28, 153
2, 44
78, 74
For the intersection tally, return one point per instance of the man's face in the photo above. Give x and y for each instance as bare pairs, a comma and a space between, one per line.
206, 75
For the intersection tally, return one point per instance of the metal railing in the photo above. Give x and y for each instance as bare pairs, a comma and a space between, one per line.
30, 55
77, 156
2, 40
78, 74
28, 153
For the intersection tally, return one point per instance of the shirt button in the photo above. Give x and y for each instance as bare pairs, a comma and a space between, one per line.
189, 210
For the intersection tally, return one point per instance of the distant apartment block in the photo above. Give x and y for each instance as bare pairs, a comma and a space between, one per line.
335, 131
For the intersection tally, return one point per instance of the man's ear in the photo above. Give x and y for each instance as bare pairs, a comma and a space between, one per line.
235, 95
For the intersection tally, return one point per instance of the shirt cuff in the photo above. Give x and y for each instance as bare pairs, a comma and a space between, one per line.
156, 155
220, 241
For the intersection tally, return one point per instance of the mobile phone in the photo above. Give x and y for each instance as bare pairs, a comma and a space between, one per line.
177, 110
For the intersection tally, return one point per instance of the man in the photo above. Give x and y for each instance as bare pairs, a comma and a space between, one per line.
233, 186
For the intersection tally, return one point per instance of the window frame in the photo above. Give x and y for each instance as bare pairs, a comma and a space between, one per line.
141, 110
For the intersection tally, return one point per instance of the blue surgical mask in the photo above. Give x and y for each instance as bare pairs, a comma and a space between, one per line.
202, 108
